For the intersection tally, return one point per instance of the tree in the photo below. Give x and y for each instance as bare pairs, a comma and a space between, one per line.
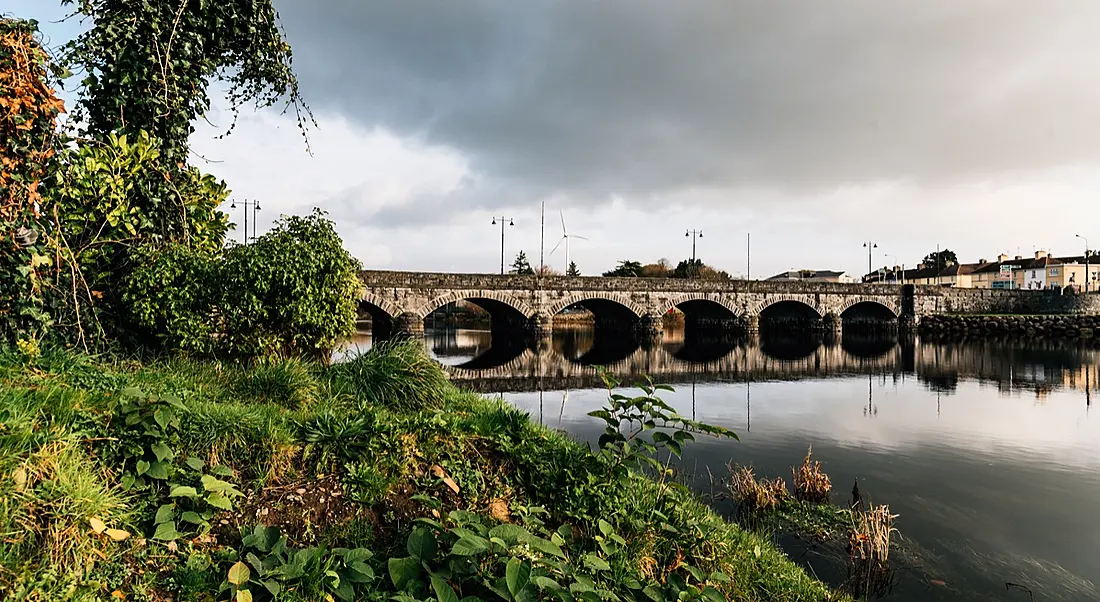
941, 259
627, 269
688, 268
521, 266
547, 271
661, 269
572, 271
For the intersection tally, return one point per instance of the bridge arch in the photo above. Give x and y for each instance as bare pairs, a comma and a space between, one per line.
595, 299
806, 301
482, 298
702, 301
382, 313
869, 303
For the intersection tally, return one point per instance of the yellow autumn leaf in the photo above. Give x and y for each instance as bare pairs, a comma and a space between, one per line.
97, 525
118, 595
117, 534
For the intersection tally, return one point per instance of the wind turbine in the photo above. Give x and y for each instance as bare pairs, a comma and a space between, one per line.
565, 236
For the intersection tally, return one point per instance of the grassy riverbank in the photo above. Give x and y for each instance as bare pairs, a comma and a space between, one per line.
121, 480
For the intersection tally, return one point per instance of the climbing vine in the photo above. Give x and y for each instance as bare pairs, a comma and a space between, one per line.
28, 116
148, 65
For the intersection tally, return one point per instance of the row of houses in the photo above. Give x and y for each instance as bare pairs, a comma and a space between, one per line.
1032, 273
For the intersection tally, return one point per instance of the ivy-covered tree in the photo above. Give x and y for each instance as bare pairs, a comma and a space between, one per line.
572, 271
148, 66
28, 131
521, 266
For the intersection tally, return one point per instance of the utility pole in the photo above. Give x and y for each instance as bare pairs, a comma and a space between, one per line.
1086, 261
542, 240
694, 234
873, 245
502, 224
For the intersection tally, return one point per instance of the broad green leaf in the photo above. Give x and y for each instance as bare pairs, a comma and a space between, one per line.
165, 513
218, 500
713, 595
239, 574
272, 586
243, 595
518, 574
194, 463
192, 517
162, 451
596, 563
403, 571
181, 491
469, 546
213, 484
546, 547
546, 583
164, 417
158, 470
421, 544
443, 590
510, 534
166, 531
654, 594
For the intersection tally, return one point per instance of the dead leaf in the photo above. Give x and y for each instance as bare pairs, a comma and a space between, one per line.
938, 582
118, 595
439, 473
498, 509
20, 476
117, 534
98, 526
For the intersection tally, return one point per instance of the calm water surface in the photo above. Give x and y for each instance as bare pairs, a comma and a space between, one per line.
989, 452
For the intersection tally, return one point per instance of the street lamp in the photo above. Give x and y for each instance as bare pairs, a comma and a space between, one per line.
255, 207
1086, 260
510, 223
869, 245
694, 234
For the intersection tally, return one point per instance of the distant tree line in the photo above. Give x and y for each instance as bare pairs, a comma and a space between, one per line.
687, 268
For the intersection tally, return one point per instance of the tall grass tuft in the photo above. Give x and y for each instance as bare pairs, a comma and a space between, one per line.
394, 374
289, 383
811, 484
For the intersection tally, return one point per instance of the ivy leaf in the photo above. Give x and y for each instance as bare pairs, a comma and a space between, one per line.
165, 513
158, 470
162, 451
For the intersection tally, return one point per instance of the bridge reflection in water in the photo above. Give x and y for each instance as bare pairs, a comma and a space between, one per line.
481, 361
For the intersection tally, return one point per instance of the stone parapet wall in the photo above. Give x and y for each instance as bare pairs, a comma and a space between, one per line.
1037, 326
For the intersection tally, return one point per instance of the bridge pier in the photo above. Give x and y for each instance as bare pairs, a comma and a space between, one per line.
751, 324
541, 325
833, 325
650, 326
408, 324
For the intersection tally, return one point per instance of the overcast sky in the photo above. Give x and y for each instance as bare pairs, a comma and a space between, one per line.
813, 125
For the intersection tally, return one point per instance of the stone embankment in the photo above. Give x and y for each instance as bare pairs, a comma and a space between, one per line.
1051, 327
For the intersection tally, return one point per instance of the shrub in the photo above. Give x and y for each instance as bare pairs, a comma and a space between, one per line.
292, 293
396, 374
811, 484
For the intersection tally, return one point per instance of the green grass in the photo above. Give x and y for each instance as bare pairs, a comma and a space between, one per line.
377, 428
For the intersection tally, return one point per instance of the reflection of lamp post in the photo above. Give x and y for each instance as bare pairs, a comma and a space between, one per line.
510, 223
1086, 260
694, 234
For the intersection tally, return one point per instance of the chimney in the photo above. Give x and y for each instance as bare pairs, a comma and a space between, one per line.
1040, 254
1018, 258
981, 260
1003, 258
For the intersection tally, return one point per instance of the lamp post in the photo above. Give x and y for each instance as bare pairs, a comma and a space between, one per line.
694, 234
869, 245
502, 224
1086, 260
255, 207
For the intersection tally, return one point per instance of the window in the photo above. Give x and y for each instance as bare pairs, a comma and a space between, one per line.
1053, 271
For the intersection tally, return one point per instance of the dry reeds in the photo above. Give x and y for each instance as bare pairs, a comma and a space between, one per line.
811, 484
869, 552
753, 495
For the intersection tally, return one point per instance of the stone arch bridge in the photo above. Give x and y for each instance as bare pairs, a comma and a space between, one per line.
400, 301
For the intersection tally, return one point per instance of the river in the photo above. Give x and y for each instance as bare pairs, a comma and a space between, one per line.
986, 451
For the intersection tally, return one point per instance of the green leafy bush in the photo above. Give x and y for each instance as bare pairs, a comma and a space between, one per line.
396, 374
170, 299
291, 293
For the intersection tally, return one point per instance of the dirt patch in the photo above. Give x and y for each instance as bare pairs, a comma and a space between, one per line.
308, 512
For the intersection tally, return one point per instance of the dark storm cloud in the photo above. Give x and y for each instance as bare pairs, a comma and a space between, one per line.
642, 97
